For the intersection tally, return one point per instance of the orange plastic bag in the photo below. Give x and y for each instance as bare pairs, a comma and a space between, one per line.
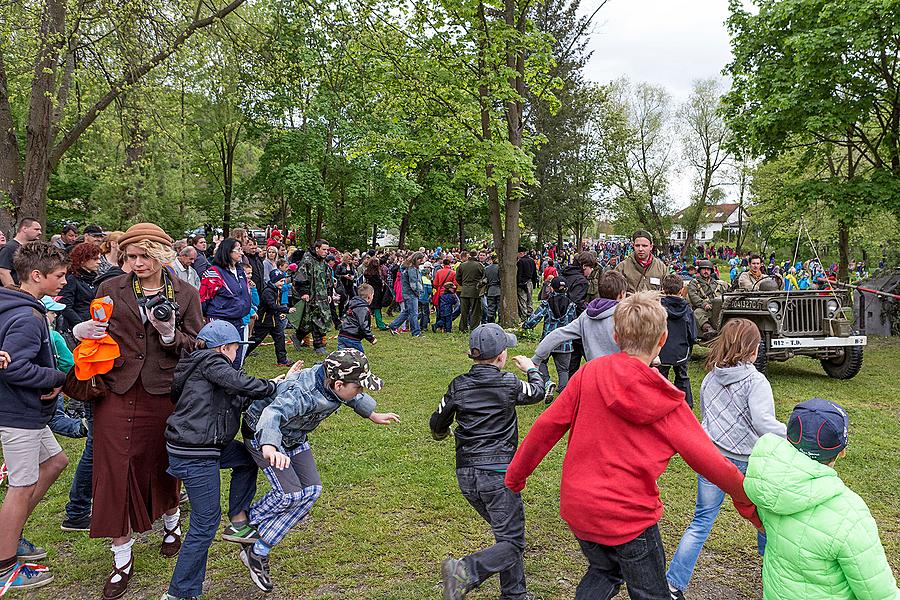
96, 357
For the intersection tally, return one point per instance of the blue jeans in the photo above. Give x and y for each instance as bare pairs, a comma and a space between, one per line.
709, 502
82, 492
345, 342
640, 564
202, 481
446, 322
409, 312
63, 424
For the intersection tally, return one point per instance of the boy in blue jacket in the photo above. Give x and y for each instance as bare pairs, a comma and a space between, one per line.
682, 329
28, 390
275, 432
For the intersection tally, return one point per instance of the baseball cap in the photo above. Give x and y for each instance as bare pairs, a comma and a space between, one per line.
218, 333
351, 366
94, 230
276, 275
818, 429
488, 341
558, 283
51, 304
705, 264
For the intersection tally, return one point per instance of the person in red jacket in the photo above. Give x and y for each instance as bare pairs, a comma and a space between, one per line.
625, 422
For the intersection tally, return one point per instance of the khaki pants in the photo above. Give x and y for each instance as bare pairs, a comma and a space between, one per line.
524, 297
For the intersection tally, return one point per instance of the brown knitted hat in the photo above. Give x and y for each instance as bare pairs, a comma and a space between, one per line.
144, 231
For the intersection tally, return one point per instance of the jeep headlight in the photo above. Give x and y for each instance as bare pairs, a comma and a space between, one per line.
774, 307
832, 306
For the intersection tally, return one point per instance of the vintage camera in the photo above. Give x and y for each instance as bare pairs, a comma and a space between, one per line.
161, 307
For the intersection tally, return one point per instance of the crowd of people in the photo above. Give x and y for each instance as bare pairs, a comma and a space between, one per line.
151, 333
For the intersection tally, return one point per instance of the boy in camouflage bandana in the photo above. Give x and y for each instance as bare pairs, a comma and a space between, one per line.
275, 432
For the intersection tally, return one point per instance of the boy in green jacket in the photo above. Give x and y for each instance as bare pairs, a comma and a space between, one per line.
821, 541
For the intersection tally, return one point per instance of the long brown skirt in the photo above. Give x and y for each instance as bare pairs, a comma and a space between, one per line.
131, 486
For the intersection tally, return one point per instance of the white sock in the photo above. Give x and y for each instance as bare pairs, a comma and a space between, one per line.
171, 521
122, 555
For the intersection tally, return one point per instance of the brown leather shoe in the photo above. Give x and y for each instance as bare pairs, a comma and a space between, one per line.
170, 549
111, 590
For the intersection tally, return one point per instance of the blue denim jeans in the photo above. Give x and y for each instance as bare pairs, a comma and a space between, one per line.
81, 493
345, 342
63, 424
709, 502
202, 481
503, 510
446, 322
410, 312
640, 564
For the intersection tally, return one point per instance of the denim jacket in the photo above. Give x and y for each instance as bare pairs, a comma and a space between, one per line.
299, 404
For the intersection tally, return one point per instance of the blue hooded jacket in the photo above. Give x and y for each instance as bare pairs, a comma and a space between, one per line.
32, 372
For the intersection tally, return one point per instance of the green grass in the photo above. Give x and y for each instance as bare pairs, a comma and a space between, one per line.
391, 508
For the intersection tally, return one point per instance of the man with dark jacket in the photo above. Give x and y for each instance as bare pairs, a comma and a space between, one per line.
251, 253
576, 278
468, 276
526, 281
271, 312
492, 279
483, 402
28, 390
682, 333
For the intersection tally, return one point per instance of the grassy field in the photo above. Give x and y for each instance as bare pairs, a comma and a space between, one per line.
391, 509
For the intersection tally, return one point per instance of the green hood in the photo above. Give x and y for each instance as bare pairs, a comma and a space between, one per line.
784, 481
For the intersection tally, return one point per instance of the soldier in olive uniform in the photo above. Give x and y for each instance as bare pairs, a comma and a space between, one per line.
702, 290
312, 281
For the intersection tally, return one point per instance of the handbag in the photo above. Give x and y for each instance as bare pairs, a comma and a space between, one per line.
89, 390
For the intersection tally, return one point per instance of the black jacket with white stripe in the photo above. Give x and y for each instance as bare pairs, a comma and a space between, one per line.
483, 402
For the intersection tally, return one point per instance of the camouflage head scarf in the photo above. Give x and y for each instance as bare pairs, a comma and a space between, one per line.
351, 366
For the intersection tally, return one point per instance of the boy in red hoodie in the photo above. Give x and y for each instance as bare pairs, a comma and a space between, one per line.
626, 422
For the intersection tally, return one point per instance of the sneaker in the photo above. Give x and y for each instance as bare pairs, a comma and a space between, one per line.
393, 331
28, 551
259, 568
244, 535
26, 577
168, 596
677, 595
454, 578
548, 395
70, 524
321, 351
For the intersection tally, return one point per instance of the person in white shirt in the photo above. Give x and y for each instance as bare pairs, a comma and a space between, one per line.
182, 265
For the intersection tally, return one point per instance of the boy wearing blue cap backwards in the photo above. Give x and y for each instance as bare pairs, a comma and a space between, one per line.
271, 313
822, 542
275, 432
200, 441
483, 402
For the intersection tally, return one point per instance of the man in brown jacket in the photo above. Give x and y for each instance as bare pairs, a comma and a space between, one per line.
641, 269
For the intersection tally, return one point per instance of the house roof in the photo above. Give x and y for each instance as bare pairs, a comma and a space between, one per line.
717, 213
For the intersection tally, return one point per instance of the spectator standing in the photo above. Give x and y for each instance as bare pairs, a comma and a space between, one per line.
468, 277
183, 266
80, 288
526, 281
313, 285
67, 238
224, 291
28, 230
492, 289
109, 252
373, 276
641, 269
411, 288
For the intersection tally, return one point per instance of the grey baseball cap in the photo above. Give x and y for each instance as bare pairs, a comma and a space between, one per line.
351, 366
488, 341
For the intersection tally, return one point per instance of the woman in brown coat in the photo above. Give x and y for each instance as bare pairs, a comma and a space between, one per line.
131, 486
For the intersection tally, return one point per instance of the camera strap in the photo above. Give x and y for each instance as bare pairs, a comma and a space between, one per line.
168, 288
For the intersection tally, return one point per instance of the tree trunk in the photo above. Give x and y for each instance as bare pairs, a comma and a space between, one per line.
559, 237
843, 250
462, 231
374, 235
320, 218
10, 161
404, 226
308, 226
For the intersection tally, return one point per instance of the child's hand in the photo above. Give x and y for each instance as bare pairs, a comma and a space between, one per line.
292, 310
296, 367
384, 418
374, 341
275, 458
524, 363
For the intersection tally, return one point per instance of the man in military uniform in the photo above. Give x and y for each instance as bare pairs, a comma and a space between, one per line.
702, 290
641, 269
312, 280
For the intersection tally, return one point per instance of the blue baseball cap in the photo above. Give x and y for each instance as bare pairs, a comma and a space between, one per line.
52, 305
218, 333
819, 429
276, 275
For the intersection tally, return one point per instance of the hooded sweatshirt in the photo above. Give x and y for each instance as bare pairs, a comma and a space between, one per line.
625, 422
25, 335
821, 540
594, 327
682, 331
737, 408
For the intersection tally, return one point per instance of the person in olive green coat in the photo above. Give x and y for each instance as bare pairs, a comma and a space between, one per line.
469, 275
641, 269
821, 540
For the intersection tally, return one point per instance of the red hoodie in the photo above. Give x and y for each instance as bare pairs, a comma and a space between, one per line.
626, 422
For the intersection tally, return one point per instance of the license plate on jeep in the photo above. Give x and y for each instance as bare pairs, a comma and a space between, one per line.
823, 342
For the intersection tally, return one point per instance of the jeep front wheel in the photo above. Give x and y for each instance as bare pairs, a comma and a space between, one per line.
846, 366
761, 358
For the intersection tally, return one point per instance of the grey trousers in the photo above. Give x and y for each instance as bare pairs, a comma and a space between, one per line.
524, 296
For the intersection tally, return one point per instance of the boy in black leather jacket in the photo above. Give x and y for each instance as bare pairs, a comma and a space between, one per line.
211, 395
356, 324
484, 401
271, 313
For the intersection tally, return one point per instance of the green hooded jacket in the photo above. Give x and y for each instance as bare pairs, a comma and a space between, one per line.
821, 541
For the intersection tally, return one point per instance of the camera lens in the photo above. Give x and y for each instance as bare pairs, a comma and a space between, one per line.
162, 312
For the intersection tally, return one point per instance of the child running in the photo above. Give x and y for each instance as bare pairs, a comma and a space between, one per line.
271, 313
823, 543
736, 409
483, 402
356, 324
200, 441
275, 432
556, 311
625, 423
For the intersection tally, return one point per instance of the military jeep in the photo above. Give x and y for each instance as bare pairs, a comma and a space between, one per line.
813, 323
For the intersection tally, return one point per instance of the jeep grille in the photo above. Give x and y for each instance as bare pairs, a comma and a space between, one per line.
804, 316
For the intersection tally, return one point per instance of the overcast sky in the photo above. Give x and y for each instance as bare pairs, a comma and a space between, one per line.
665, 42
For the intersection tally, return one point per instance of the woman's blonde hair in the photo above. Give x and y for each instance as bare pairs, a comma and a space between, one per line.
155, 250
639, 322
736, 343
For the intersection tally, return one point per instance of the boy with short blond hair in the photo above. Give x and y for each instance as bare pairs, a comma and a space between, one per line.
625, 422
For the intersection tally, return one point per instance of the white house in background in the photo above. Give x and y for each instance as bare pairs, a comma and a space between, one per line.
727, 218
